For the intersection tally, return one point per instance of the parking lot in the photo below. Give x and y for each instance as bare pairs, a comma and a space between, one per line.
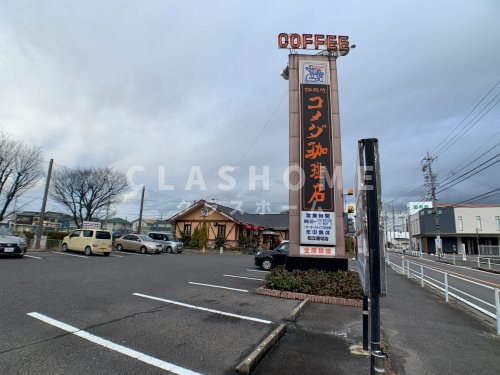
65, 313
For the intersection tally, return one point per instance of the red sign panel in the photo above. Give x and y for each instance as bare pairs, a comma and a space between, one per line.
316, 148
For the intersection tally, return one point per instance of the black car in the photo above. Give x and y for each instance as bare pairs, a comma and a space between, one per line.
268, 259
10, 244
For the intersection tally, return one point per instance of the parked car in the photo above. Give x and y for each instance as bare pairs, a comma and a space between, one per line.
168, 240
267, 259
138, 242
89, 241
11, 244
117, 233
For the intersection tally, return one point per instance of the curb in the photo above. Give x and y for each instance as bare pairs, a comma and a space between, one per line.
295, 313
312, 298
487, 270
247, 365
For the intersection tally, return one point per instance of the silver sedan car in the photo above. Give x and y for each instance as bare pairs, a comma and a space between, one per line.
138, 242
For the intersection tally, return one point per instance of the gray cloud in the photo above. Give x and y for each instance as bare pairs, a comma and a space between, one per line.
182, 84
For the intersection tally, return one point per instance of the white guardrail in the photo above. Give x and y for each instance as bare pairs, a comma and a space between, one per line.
484, 262
425, 279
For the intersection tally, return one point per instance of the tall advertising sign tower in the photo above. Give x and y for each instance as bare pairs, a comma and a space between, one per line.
316, 217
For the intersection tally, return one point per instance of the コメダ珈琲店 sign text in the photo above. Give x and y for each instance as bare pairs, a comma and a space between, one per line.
313, 41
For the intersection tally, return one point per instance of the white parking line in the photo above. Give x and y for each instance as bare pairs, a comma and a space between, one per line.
111, 345
218, 286
204, 309
32, 256
70, 255
148, 255
117, 256
257, 271
243, 277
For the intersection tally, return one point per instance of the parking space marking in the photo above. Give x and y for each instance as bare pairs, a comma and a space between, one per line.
243, 277
218, 286
117, 256
204, 309
70, 255
32, 256
116, 347
257, 271
148, 255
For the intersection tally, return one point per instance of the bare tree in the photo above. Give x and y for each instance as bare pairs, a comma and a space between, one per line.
87, 192
20, 169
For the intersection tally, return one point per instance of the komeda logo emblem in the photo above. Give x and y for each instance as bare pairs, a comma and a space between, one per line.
315, 74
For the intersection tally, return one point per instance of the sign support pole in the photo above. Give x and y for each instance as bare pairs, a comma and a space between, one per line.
371, 174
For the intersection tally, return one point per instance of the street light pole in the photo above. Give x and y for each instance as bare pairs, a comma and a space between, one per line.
477, 239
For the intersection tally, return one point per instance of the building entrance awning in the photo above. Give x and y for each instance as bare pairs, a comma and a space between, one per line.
269, 233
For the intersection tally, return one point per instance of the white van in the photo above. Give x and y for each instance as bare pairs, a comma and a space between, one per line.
89, 241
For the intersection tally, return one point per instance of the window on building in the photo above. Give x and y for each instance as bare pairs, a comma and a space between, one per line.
187, 229
478, 223
497, 221
460, 223
221, 231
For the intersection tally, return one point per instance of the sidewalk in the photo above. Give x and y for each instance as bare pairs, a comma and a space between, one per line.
421, 334
319, 342
425, 335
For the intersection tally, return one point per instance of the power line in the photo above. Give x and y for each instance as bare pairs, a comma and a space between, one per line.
459, 179
465, 118
488, 194
466, 130
404, 195
453, 173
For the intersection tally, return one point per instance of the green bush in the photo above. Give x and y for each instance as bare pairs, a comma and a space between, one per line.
28, 234
56, 235
344, 284
195, 238
185, 239
219, 242
203, 236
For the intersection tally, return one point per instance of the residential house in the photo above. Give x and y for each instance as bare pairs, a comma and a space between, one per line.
152, 224
117, 224
28, 221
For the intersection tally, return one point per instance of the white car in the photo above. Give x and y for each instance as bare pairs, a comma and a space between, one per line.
11, 244
168, 240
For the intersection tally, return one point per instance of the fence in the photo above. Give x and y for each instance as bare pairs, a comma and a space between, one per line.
45, 244
423, 273
489, 263
489, 250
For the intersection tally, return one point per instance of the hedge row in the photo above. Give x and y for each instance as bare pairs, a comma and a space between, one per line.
343, 284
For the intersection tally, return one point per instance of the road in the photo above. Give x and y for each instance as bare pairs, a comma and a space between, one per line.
131, 313
471, 285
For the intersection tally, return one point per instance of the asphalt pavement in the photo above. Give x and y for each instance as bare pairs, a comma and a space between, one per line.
421, 333
138, 314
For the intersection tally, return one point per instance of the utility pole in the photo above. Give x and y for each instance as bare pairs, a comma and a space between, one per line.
430, 179
408, 227
107, 216
385, 226
393, 225
140, 214
44, 205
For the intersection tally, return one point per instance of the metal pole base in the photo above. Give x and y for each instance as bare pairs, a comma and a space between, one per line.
377, 362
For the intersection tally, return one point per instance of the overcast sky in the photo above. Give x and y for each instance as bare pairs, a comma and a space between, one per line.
192, 86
